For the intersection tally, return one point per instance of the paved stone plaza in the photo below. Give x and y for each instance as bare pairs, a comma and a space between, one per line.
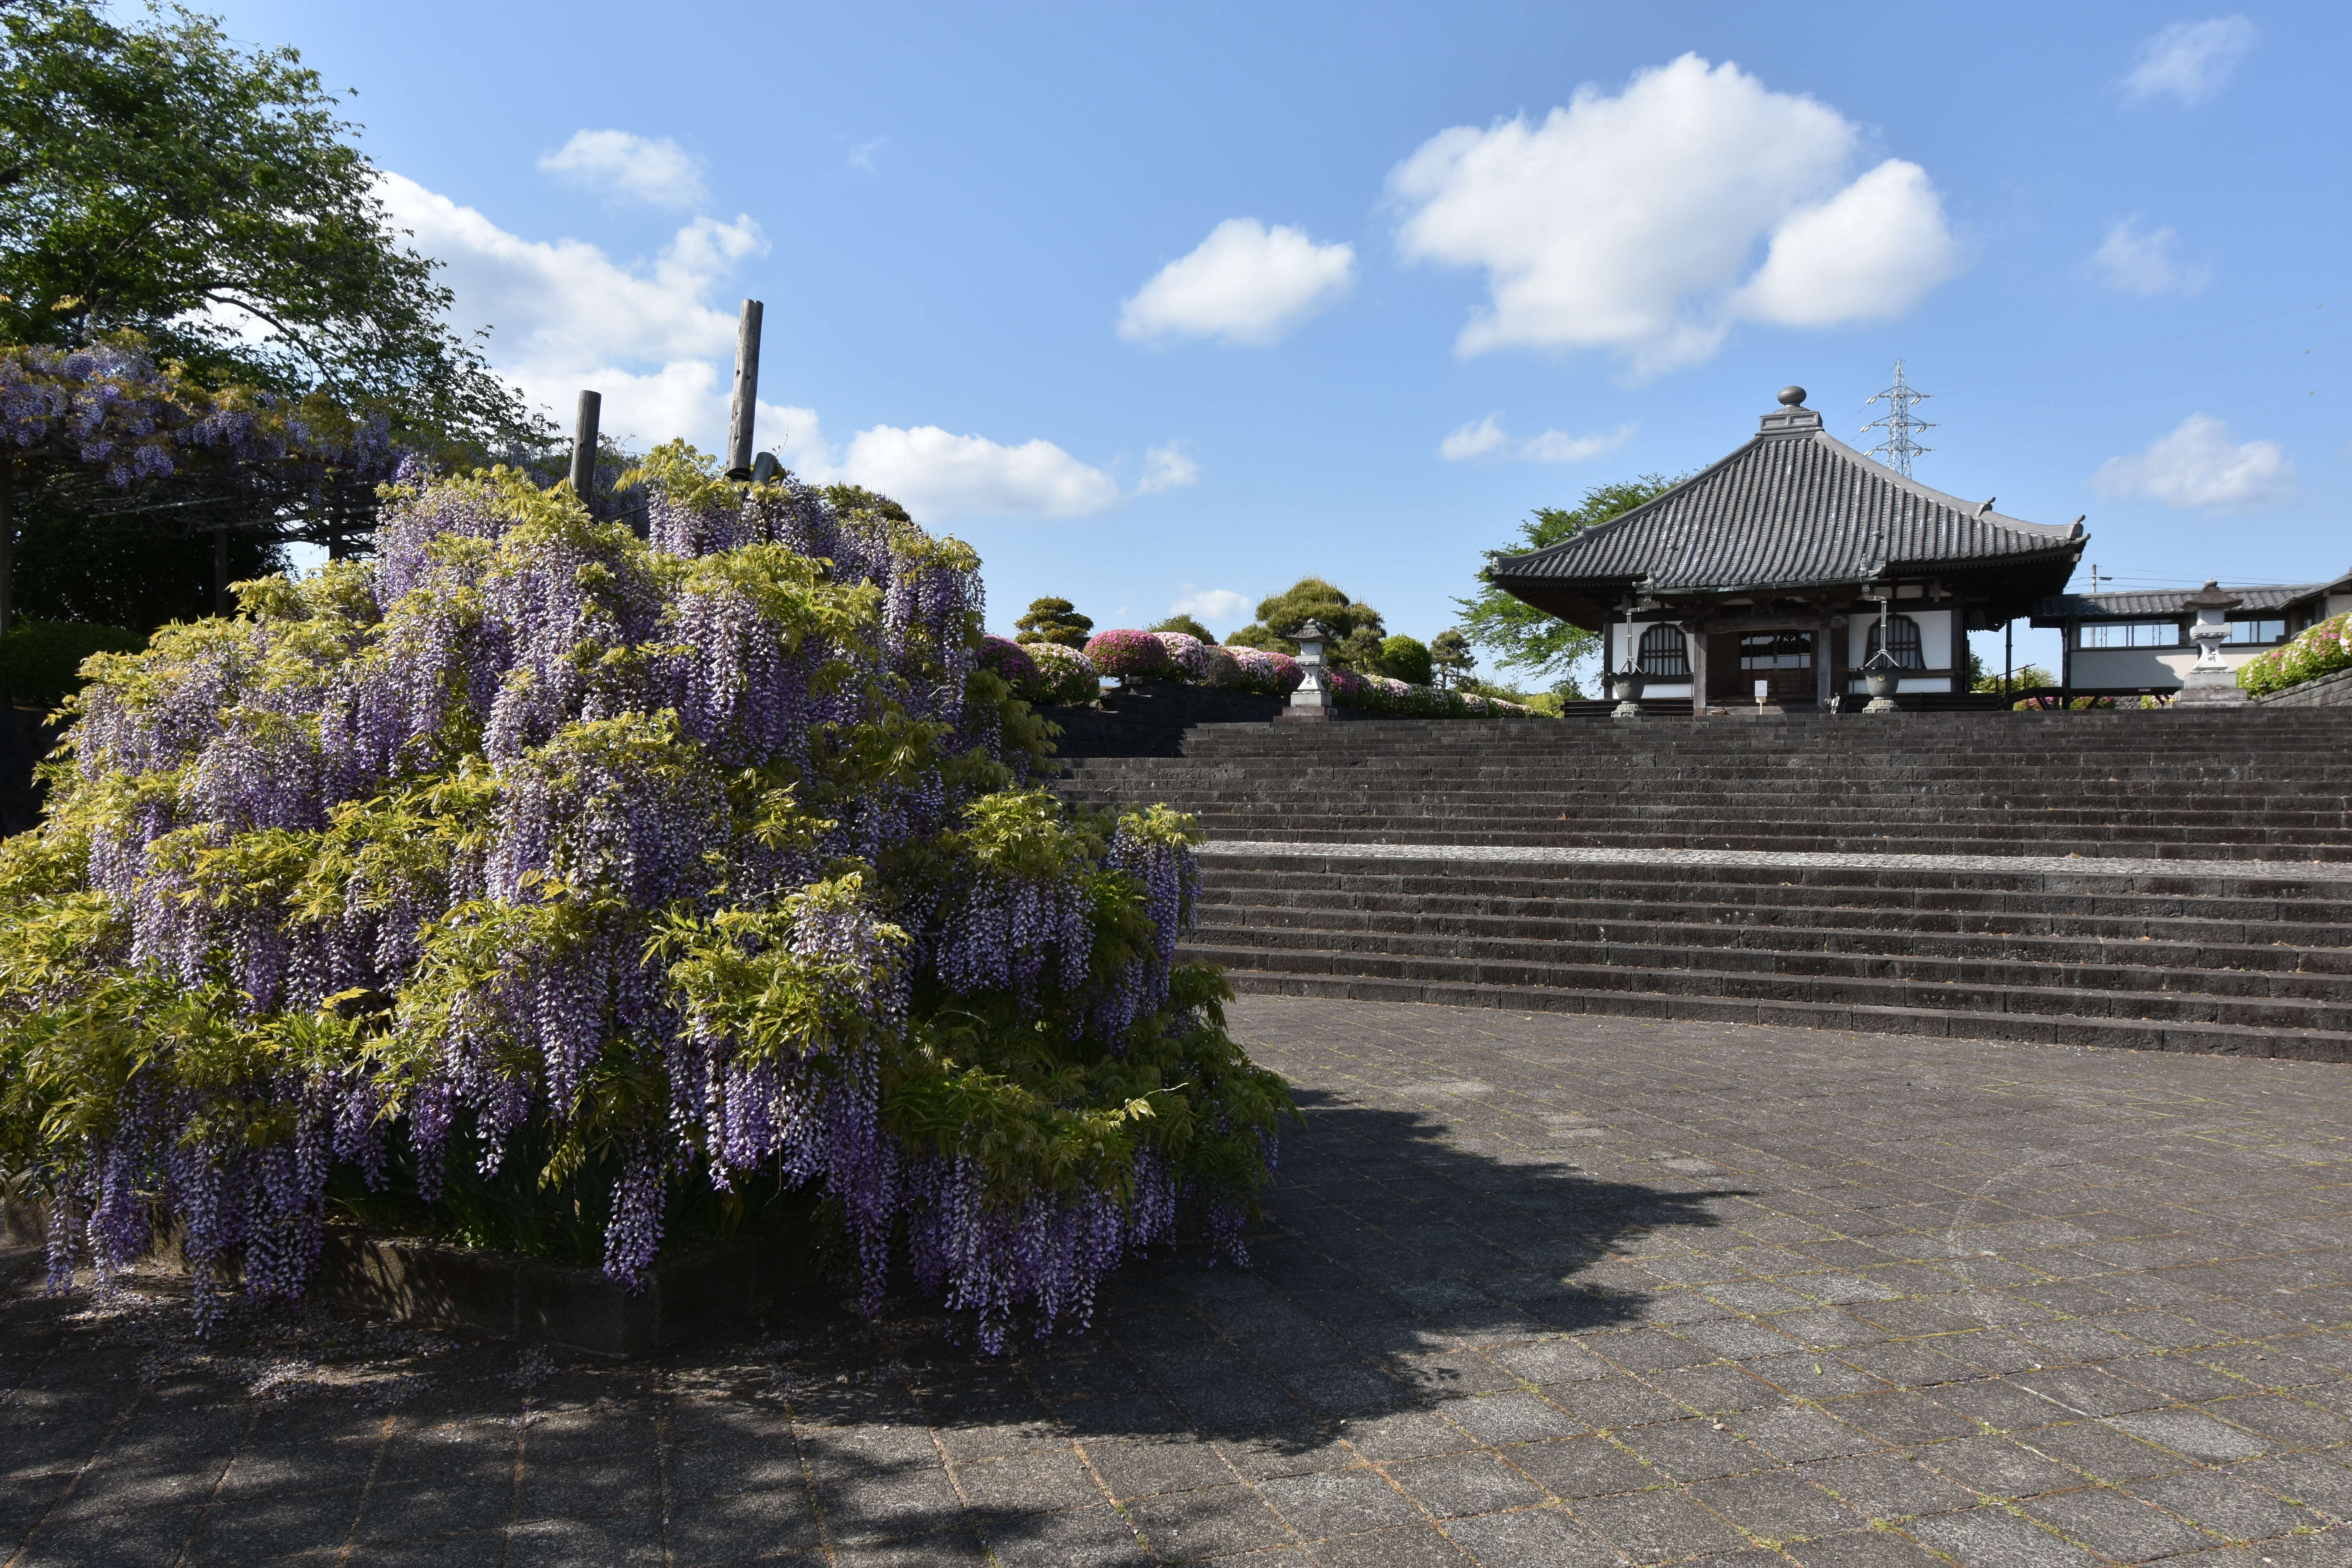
1533, 1291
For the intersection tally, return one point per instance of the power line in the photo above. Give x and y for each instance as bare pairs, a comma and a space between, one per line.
1898, 449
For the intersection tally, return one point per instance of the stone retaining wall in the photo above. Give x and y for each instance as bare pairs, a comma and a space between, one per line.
2333, 691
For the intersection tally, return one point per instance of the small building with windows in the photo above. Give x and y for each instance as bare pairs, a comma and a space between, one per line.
1775, 569
2137, 644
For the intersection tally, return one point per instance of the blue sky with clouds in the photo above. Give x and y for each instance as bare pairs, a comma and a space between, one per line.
1167, 306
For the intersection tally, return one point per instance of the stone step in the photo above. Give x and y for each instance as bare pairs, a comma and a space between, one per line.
1749, 837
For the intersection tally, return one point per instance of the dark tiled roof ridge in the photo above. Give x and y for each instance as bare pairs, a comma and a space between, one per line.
2168, 601
1840, 518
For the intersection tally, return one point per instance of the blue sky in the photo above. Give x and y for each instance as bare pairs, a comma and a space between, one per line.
1165, 305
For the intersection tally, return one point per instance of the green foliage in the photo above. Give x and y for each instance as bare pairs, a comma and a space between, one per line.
1054, 621
1354, 627
2024, 677
40, 660
1521, 636
1184, 623
2315, 651
1407, 659
163, 179
1450, 656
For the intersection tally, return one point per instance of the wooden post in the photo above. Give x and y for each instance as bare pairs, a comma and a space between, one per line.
1824, 654
747, 392
583, 449
1697, 629
7, 544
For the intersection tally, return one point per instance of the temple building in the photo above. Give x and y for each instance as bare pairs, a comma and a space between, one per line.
2137, 644
1779, 565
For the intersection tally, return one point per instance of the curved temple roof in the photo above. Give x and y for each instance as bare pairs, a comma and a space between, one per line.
1793, 509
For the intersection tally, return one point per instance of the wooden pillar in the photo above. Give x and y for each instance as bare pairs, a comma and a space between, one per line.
7, 543
583, 450
1695, 629
1959, 659
747, 391
1825, 662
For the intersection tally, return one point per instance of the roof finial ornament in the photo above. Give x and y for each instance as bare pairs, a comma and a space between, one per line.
1792, 396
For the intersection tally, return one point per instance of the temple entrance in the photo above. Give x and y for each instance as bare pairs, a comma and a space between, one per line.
1735, 661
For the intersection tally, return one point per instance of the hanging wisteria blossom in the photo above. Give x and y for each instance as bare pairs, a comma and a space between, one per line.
643, 872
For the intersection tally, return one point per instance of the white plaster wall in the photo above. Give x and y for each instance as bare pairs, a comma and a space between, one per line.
1935, 639
2147, 665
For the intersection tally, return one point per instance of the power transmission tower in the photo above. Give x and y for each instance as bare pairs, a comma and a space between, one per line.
1900, 424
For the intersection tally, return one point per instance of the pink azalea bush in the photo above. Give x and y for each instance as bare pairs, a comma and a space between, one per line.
1189, 654
1275, 674
1130, 654
1385, 694
1224, 669
2314, 652
1009, 662
1063, 676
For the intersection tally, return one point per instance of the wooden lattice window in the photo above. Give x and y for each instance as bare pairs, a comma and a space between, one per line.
1902, 641
1666, 654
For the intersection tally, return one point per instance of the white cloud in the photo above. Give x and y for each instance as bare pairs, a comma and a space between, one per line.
1243, 284
1473, 440
2140, 262
1488, 437
652, 169
2191, 61
2197, 466
939, 476
1216, 607
1626, 222
1168, 468
1559, 446
865, 156
564, 315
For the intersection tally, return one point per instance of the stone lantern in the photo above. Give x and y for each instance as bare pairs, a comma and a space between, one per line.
1312, 700
2211, 682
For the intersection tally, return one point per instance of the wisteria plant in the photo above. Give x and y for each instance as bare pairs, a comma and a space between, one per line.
674, 866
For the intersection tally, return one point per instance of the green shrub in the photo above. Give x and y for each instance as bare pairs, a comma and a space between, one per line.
40, 661
1408, 659
2315, 651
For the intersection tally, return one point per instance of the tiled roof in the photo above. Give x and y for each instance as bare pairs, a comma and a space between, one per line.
2167, 602
1793, 508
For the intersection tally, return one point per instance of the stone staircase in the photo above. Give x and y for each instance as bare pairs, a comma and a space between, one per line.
2157, 880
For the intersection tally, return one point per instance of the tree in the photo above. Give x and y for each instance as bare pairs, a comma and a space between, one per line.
1187, 625
1354, 627
1053, 621
1521, 636
160, 179
1408, 659
1450, 655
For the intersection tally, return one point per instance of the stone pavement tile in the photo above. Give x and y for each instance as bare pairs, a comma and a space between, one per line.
1814, 1374
1452, 1484
253, 1529
1041, 1482
1338, 1502
1716, 1390
1780, 1506
2291, 1422
1084, 1538
1407, 1546
2191, 1431
326, 1466
903, 1502
957, 1548
1910, 1364
1583, 1466
1551, 1361
1149, 1466
1016, 1432
1613, 1402
1993, 1538
1697, 1449
2224, 1505
715, 1470
1657, 1526
1864, 1549
1737, 1339
1530, 1538
620, 1538
152, 1536
742, 1524
1214, 1521
1999, 1404
1888, 1486
2317, 1481
1827, 1328
1649, 1350
2103, 1453
2180, 1377
1403, 1434
2116, 1525
1795, 1433
108, 1489
1996, 1466
2087, 1390
401, 1508
1515, 1418
1285, 1451
1451, 1372
1346, 1390
1901, 1418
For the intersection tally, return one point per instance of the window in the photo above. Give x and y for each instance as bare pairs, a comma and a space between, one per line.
1776, 650
1666, 653
1902, 642
2258, 629
2130, 634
